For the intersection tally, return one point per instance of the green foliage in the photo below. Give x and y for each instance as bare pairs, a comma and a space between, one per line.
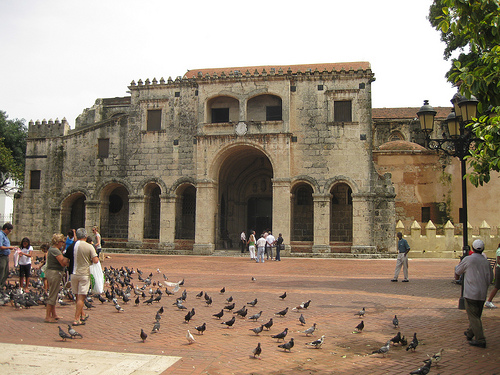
471, 29
12, 151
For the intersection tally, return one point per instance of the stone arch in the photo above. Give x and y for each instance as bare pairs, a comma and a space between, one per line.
307, 179
114, 209
73, 210
222, 108
264, 107
302, 207
243, 172
185, 211
396, 135
152, 209
179, 183
341, 212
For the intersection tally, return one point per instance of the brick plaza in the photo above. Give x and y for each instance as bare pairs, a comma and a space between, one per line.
338, 288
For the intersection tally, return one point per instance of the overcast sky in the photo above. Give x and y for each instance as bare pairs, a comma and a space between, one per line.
59, 56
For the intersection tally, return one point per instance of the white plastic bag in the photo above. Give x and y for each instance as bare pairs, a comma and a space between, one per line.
96, 278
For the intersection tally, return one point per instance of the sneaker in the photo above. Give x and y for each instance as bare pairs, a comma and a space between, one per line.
405, 280
489, 304
394, 280
479, 344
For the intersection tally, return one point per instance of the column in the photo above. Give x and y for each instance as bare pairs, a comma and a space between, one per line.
321, 206
206, 202
282, 211
167, 222
135, 221
362, 218
93, 215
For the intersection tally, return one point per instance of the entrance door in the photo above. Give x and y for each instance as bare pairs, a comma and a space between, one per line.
260, 214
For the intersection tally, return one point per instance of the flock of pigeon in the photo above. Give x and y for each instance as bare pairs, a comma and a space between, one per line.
122, 291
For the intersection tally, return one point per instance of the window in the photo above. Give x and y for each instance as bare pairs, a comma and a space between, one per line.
342, 111
35, 179
103, 148
273, 113
154, 120
220, 115
426, 214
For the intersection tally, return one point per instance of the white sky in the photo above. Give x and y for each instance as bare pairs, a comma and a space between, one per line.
58, 56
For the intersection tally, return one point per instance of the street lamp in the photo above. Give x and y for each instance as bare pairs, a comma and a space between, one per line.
457, 144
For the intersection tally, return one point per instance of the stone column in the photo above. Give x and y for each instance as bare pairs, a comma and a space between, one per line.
135, 220
282, 211
55, 220
321, 204
167, 222
362, 215
93, 216
206, 202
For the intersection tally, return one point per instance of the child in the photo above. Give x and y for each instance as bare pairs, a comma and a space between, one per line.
44, 248
25, 254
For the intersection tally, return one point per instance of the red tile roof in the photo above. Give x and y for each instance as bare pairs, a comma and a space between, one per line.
406, 113
364, 65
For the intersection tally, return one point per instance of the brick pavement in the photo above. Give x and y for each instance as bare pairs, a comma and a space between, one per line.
337, 287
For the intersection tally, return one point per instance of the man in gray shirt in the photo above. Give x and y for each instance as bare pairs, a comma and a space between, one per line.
477, 277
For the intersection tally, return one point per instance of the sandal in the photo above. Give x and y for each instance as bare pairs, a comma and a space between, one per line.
85, 317
78, 323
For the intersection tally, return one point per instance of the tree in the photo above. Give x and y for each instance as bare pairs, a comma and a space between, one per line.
471, 28
12, 152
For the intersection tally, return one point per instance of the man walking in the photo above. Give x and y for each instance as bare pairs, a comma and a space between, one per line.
5, 249
403, 249
84, 255
477, 277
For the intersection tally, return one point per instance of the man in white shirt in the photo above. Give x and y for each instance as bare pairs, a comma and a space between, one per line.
270, 243
261, 246
243, 241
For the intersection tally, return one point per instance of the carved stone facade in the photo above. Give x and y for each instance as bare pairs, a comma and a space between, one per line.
185, 165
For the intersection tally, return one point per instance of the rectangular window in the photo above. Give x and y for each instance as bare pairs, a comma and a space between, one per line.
273, 113
342, 111
35, 179
154, 120
426, 214
103, 148
220, 115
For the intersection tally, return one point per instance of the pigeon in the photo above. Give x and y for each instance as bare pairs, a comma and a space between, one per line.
88, 305
63, 334
223, 290
282, 313
148, 301
256, 352
253, 280
219, 314
73, 333
229, 299
252, 303
199, 295
229, 307
101, 299
404, 341
208, 301
206, 296
238, 312
179, 305
255, 317
201, 328
436, 357
156, 328
302, 306
413, 344
306, 304
423, 370
190, 337
257, 330
283, 296
125, 299
269, 324
302, 320
144, 335
137, 301
360, 327
396, 339
281, 335
310, 330
230, 322
317, 343
360, 313
157, 299
287, 346
118, 308
395, 322
184, 295
160, 310
189, 315
384, 349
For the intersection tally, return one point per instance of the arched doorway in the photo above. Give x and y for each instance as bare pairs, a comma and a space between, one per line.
152, 211
73, 212
341, 213
302, 213
115, 211
185, 212
245, 194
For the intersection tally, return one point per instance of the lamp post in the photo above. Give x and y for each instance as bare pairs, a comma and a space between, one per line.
457, 144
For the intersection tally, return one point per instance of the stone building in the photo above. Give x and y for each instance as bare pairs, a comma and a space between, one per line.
185, 165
